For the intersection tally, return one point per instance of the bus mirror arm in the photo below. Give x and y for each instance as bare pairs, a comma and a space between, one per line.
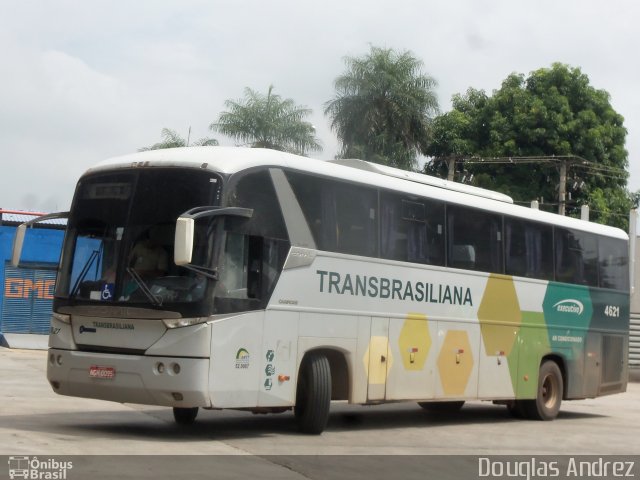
185, 228
21, 231
199, 212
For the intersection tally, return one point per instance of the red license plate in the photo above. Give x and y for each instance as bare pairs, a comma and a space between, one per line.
105, 373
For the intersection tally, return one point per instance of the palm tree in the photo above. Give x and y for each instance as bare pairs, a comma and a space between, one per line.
383, 108
268, 121
173, 140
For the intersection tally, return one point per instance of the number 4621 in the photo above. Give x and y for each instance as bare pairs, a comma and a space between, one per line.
611, 311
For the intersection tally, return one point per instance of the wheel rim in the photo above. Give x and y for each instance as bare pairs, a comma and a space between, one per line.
550, 391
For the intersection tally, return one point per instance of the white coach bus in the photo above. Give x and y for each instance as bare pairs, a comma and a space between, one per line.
253, 279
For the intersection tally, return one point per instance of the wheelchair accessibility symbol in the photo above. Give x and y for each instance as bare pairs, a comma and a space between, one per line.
107, 293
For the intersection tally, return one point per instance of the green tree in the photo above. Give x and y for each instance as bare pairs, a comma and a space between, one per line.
268, 121
171, 139
553, 112
383, 108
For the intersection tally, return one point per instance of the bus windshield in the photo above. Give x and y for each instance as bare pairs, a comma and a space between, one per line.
120, 240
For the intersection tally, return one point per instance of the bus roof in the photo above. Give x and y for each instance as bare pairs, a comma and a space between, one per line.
230, 160
422, 178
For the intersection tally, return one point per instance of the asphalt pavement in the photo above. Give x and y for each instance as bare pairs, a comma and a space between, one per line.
394, 440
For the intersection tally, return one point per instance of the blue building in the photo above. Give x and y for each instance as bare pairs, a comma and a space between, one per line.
26, 292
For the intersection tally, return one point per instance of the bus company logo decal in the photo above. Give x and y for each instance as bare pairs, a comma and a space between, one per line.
113, 325
569, 305
33, 468
393, 289
243, 359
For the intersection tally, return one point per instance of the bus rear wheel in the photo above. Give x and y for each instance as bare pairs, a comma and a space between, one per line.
442, 407
185, 416
313, 394
549, 397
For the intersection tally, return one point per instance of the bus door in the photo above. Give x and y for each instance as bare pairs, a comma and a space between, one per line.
411, 371
378, 359
278, 358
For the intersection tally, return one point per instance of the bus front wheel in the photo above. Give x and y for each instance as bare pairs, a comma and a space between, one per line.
313, 394
185, 416
550, 390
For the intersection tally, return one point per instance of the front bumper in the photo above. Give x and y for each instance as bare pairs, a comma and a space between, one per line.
137, 378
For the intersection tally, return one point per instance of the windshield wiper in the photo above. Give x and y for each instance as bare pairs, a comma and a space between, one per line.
83, 273
205, 271
157, 301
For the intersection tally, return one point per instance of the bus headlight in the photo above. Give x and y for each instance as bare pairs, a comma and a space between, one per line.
183, 322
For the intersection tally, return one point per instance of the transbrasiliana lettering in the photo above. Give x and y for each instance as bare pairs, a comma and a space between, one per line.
391, 288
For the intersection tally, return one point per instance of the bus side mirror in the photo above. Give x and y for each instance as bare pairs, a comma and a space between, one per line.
18, 241
185, 226
183, 245
21, 231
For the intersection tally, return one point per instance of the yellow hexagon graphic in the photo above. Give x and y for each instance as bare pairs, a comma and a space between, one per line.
499, 315
376, 368
455, 362
414, 341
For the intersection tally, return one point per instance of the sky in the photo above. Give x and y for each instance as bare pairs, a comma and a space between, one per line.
87, 80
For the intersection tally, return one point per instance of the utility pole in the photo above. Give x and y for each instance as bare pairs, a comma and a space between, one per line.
562, 188
565, 161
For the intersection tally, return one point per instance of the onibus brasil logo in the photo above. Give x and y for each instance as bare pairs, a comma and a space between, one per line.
32, 468
569, 305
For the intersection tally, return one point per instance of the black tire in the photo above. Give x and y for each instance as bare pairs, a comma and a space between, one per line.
185, 416
313, 394
442, 407
549, 397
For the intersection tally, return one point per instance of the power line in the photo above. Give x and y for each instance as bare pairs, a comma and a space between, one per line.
563, 161
574, 160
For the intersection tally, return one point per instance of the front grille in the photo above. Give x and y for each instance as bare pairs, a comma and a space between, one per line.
118, 350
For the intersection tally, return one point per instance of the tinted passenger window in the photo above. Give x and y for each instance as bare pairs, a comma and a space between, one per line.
474, 239
576, 257
255, 190
341, 216
412, 229
528, 249
614, 263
